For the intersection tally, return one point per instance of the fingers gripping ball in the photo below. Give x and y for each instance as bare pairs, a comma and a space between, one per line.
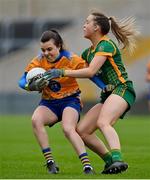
35, 80
34, 74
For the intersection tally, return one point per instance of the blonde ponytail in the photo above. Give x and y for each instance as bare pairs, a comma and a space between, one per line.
125, 32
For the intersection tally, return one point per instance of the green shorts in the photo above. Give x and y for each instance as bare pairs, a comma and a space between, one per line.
126, 91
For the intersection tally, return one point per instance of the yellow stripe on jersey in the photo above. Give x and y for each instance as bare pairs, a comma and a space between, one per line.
124, 90
103, 54
112, 62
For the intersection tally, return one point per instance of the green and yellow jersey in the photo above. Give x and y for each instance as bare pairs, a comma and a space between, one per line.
113, 70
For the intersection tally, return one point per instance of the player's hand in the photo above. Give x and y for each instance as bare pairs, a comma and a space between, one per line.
38, 84
53, 73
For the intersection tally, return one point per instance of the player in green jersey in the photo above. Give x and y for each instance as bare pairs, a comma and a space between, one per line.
105, 61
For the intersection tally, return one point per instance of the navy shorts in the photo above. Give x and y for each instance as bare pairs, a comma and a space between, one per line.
57, 106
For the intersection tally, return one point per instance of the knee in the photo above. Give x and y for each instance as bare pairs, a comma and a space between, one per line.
36, 122
102, 124
68, 131
82, 133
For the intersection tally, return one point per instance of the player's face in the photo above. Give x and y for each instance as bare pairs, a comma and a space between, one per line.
50, 50
89, 26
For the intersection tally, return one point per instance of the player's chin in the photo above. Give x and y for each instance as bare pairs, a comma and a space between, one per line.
50, 59
85, 35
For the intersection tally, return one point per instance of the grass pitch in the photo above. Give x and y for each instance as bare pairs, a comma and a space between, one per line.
21, 157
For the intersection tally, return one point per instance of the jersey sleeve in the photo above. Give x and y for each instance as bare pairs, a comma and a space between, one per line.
106, 48
35, 62
23, 82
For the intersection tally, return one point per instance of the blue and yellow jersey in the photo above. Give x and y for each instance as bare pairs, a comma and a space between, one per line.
113, 70
69, 85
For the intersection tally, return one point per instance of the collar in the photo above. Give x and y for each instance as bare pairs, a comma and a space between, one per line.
63, 53
103, 38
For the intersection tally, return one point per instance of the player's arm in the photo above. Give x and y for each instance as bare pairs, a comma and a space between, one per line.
33, 85
80, 63
106, 49
90, 72
23, 82
87, 72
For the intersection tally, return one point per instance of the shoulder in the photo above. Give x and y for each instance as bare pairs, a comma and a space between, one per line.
69, 55
107, 46
35, 62
76, 57
37, 58
65, 53
77, 62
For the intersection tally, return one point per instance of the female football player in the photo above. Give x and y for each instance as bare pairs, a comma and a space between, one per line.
104, 59
60, 99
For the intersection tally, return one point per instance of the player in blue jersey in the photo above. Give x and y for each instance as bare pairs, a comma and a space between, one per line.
60, 101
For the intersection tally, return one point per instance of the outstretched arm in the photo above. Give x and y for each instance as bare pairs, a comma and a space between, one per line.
89, 71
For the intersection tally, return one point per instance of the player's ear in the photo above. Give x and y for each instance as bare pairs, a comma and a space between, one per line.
96, 27
59, 47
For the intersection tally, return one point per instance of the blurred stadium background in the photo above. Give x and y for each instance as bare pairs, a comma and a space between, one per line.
23, 21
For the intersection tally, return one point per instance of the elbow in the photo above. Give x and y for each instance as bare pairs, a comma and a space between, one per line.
20, 84
22, 81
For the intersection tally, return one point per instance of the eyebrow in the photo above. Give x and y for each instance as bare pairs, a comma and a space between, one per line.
43, 49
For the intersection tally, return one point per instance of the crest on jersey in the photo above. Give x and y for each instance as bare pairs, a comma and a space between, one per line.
54, 86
